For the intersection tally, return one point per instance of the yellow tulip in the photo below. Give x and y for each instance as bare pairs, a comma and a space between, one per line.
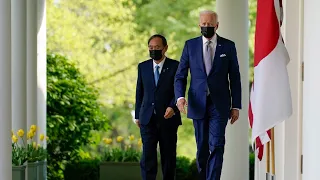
140, 142
33, 128
39, 145
30, 134
41, 137
131, 137
119, 139
34, 145
107, 140
20, 133
14, 138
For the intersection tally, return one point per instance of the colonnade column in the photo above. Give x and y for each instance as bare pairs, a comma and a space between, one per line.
42, 68
233, 19
18, 66
5, 90
31, 63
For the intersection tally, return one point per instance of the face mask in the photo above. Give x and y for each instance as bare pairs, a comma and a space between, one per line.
155, 54
208, 32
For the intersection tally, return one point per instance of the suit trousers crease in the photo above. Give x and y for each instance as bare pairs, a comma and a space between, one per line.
158, 130
210, 139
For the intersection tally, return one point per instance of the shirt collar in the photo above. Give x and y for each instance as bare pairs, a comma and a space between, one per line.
213, 39
160, 64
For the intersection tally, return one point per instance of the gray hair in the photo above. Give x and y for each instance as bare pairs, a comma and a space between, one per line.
209, 12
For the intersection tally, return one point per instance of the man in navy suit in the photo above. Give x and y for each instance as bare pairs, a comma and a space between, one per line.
156, 112
214, 95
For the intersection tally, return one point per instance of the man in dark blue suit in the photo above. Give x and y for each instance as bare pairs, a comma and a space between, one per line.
214, 95
156, 112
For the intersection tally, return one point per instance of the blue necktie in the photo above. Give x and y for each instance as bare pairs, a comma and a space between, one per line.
156, 74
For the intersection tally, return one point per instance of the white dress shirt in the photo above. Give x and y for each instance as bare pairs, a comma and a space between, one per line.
160, 65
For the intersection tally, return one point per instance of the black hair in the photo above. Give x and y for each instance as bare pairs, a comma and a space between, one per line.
164, 40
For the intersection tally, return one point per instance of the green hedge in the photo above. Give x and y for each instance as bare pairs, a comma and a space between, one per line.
82, 170
89, 169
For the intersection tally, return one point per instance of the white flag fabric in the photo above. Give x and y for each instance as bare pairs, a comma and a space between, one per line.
270, 98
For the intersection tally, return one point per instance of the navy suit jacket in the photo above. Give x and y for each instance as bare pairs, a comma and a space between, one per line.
150, 97
223, 80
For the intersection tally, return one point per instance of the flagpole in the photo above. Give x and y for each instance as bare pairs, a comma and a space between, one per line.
268, 161
273, 175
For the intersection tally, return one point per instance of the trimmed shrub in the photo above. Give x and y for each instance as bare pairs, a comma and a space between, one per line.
82, 170
73, 112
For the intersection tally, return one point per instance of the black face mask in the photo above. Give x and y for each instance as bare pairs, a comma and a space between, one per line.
208, 32
155, 54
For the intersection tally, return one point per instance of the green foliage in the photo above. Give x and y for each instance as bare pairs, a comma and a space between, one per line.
36, 153
98, 36
107, 39
43, 154
19, 155
193, 169
89, 169
122, 155
72, 113
82, 170
177, 20
252, 28
182, 168
251, 165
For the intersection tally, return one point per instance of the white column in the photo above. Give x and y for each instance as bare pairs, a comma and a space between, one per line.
5, 90
18, 68
42, 68
31, 63
234, 25
311, 91
292, 144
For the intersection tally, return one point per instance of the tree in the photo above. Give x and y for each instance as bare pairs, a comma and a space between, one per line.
98, 36
107, 39
177, 20
72, 113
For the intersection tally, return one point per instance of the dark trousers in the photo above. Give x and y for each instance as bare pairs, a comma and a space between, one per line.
210, 139
166, 135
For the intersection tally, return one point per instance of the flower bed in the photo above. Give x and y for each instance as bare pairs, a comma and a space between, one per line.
28, 155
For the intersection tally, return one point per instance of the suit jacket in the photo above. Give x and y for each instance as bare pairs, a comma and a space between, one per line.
223, 81
150, 98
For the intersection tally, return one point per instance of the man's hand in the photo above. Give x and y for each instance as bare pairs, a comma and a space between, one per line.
234, 115
169, 113
181, 105
137, 122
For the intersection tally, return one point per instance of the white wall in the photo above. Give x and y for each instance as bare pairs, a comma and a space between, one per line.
311, 123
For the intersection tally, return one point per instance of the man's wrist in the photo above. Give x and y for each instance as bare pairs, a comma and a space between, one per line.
179, 99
